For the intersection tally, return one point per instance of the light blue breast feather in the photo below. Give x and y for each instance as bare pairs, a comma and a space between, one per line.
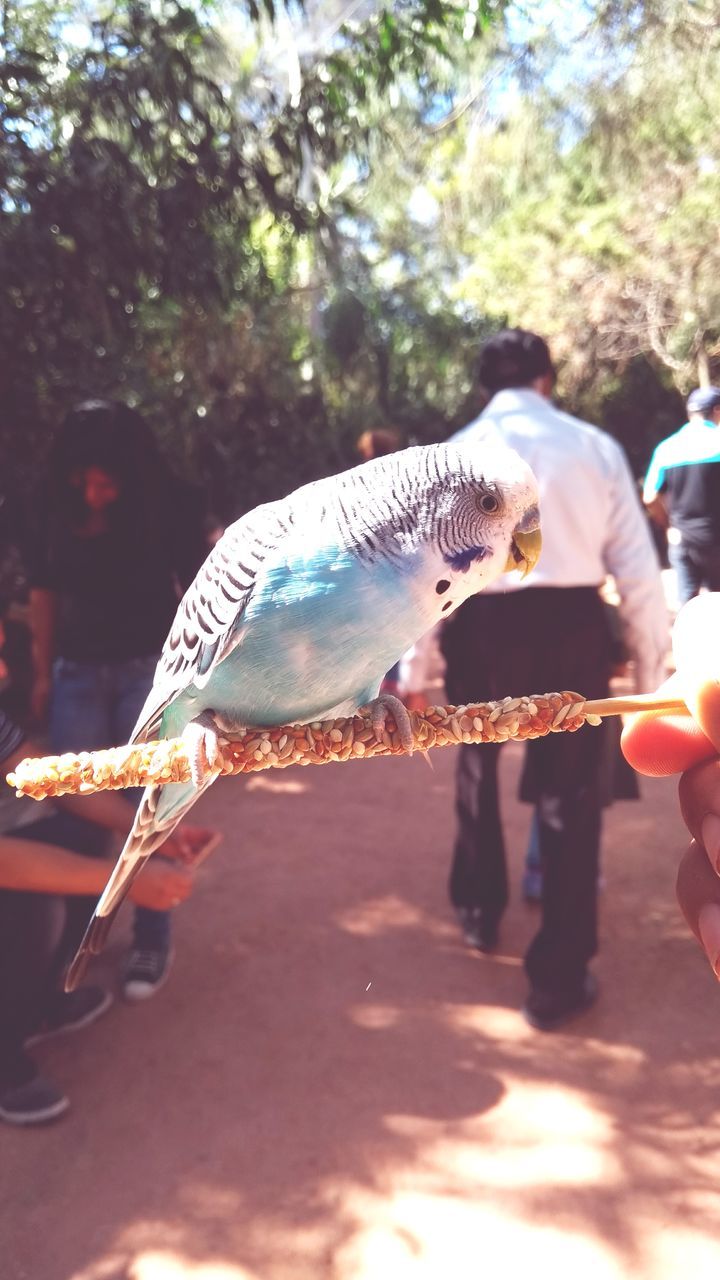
320, 629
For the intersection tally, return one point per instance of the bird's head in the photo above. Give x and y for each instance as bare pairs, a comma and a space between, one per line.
488, 522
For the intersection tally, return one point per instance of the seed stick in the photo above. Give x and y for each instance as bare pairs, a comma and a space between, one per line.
324, 742
637, 702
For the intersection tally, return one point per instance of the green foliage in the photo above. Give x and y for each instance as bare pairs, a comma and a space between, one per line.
391, 359
271, 237
168, 223
574, 192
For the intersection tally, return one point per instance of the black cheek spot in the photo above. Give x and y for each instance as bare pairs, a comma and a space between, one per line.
442, 586
448, 605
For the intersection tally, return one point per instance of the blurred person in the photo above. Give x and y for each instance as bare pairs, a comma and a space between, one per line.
548, 633
378, 443
41, 872
116, 541
660, 744
682, 494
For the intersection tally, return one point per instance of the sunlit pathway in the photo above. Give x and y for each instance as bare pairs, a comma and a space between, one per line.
332, 1088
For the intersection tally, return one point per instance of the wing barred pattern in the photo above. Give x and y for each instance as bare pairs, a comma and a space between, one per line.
373, 503
209, 618
380, 503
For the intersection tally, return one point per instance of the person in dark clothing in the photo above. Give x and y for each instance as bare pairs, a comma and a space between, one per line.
549, 633
117, 539
42, 871
682, 494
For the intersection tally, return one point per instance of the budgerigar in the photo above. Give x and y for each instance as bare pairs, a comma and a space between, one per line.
305, 603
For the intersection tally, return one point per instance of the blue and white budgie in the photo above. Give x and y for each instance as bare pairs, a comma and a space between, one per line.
305, 603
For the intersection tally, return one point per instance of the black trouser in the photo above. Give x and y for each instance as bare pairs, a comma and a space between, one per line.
38, 933
535, 641
31, 926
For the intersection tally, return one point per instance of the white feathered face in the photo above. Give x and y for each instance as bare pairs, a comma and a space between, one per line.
486, 518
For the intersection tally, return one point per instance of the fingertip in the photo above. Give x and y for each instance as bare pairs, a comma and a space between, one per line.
697, 657
658, 745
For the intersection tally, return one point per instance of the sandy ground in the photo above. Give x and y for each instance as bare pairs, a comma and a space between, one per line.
332, 1087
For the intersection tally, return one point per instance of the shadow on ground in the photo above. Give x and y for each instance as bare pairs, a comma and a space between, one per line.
332, 1087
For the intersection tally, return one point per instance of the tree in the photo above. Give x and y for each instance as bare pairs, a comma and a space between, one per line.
612, 237
570, 188
160, 196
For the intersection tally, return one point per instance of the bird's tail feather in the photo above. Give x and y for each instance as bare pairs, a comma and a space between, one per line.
143, 839
95, 936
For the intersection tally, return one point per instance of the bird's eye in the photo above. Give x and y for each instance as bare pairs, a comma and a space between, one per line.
488, 503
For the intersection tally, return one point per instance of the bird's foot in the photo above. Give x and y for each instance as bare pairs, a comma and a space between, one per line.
387, 704
202, 741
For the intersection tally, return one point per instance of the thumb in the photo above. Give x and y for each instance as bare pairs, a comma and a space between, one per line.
696, 646
658, 744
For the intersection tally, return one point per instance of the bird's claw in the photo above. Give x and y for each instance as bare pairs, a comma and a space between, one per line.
387, 704
202, 742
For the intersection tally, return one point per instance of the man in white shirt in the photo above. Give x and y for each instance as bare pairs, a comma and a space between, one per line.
547, 633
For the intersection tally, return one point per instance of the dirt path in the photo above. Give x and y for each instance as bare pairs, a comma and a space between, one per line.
332, 1088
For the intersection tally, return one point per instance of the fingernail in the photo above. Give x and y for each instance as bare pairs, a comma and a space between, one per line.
710, 833
709, 930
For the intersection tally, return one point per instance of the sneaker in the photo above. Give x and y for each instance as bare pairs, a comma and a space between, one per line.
70, 1011
36, 1102
477, 931
147, 971
547, 1010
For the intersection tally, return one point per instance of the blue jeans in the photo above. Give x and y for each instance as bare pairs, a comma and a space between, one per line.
695, 567
93, 706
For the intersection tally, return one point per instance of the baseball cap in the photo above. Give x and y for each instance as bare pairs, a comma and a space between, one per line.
703, 400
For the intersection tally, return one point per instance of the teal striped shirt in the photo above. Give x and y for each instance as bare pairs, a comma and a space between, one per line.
685, 469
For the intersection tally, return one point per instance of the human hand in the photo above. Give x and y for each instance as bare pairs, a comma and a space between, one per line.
161, 885
658, 745
187, 844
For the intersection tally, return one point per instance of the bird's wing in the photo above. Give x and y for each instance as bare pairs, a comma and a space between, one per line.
209, 620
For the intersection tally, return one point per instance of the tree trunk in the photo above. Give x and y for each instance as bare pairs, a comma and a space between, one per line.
703, 365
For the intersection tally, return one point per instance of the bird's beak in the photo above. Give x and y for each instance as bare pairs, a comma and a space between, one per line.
526, 544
